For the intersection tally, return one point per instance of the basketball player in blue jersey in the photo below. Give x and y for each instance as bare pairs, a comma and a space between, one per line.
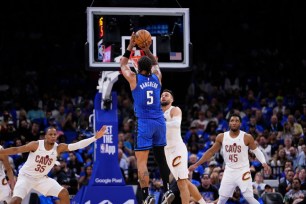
150, 125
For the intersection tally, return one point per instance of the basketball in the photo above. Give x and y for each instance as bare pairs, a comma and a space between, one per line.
142, 37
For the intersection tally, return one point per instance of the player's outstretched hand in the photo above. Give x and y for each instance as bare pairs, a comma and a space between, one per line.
192, 167
266, 167
101, 132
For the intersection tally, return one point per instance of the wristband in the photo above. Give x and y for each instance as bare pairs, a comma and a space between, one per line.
127, 54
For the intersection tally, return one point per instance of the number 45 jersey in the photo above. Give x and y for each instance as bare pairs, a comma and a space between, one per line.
235, 152
146, 97
40, 162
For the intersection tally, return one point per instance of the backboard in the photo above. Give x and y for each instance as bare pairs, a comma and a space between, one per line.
109, 30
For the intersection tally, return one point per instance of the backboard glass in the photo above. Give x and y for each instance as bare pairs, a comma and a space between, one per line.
125, 42
109, 30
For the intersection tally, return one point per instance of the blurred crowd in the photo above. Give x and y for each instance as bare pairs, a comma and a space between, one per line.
277, 121
249, 62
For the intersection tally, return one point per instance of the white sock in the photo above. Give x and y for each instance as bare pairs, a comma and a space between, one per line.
201, 201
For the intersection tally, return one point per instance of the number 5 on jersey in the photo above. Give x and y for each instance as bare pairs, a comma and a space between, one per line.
149, 97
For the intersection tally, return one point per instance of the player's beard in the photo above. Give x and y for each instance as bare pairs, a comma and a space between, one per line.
234, 129
164, 103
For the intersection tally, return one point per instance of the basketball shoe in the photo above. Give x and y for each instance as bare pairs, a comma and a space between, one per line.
168, 197
149, 200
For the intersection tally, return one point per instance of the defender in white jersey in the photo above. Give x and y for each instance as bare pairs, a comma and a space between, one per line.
176, 150
41, 159
235, 145
6, 186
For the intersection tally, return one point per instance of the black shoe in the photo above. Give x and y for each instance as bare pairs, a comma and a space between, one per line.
168, 197
149, 200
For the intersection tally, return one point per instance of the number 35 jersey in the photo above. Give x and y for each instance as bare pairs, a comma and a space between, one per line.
40, 162
235, 152
146, 97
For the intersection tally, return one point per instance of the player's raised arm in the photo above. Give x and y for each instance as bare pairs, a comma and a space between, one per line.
148, 52
125, 68
209, 153
81, 144
155, 67
30, 147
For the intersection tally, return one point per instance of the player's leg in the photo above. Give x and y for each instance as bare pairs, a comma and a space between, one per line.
227, 186
16, 200
143, 173
249, 195
222, 199
246, 187
164, 170
181, 171
176, 157
159, 141
184, 190
21, 189
50, 187
143, 144
194, 192
64, 196
5, 190
250, 199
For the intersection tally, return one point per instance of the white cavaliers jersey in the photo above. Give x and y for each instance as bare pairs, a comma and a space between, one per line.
173, 134
40, 162
2, 172
235, 152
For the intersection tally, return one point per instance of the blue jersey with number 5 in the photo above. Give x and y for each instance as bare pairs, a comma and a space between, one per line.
146, 97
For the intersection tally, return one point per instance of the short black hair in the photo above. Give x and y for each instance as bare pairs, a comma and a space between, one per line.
145, 63
267, 186
168, 91
235, 115
50, 127
205, 173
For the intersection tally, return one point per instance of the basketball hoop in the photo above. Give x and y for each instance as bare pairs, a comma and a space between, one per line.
135, 56
134, 59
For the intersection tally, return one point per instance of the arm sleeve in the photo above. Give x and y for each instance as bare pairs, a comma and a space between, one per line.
175, 122
81, 144
259, 155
